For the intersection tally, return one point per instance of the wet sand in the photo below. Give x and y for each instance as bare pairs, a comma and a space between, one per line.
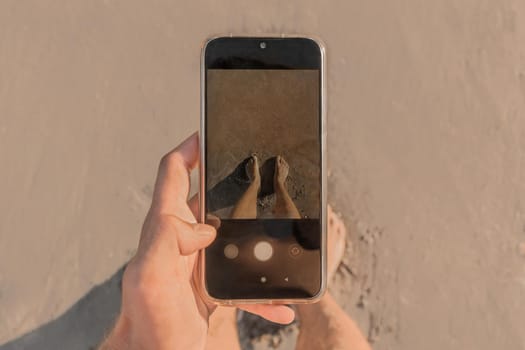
426, 143
270, 114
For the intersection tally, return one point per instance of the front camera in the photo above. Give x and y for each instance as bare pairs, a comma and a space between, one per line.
262, 45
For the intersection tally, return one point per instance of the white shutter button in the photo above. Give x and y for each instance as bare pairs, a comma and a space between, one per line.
263, 251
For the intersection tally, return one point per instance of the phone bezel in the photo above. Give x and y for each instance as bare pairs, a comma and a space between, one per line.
201, 285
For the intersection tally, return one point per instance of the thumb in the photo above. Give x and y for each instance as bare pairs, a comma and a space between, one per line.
197, 236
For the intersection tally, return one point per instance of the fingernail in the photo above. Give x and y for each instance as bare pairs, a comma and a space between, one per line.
204, 230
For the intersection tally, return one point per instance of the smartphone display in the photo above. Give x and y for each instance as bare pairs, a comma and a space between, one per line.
262, 174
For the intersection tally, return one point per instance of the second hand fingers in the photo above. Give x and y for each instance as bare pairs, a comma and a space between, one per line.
281, 314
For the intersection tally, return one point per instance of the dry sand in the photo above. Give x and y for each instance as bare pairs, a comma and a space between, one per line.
426, 144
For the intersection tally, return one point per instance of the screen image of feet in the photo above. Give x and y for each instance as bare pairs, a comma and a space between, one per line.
284, 207
263, 146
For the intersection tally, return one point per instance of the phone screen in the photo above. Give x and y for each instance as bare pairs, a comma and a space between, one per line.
263, 173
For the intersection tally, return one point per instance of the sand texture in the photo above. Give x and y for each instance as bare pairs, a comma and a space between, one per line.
426, 145
277, 116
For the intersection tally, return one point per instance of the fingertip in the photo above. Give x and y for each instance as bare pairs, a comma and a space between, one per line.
173, 183
193, 237
287, 315
281, 314
189, 150
205, 230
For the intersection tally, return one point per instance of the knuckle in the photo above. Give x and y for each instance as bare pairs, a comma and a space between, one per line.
163, 231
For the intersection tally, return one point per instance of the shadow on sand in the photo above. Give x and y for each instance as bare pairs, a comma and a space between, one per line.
82, 326
85, 324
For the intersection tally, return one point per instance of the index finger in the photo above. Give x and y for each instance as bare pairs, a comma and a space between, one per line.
173, 183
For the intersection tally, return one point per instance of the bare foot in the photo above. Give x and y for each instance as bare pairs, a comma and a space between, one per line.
252, 170
336, 237
246, 206
325, 325
284, 206
281, 172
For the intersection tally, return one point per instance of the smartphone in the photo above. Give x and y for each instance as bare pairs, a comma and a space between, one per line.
262, 174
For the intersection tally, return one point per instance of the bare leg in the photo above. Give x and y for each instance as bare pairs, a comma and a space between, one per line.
325, 325
284, 205
334, 330
246, 207
222, 330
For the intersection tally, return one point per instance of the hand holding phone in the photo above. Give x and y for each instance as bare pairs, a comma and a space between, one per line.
160, 306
